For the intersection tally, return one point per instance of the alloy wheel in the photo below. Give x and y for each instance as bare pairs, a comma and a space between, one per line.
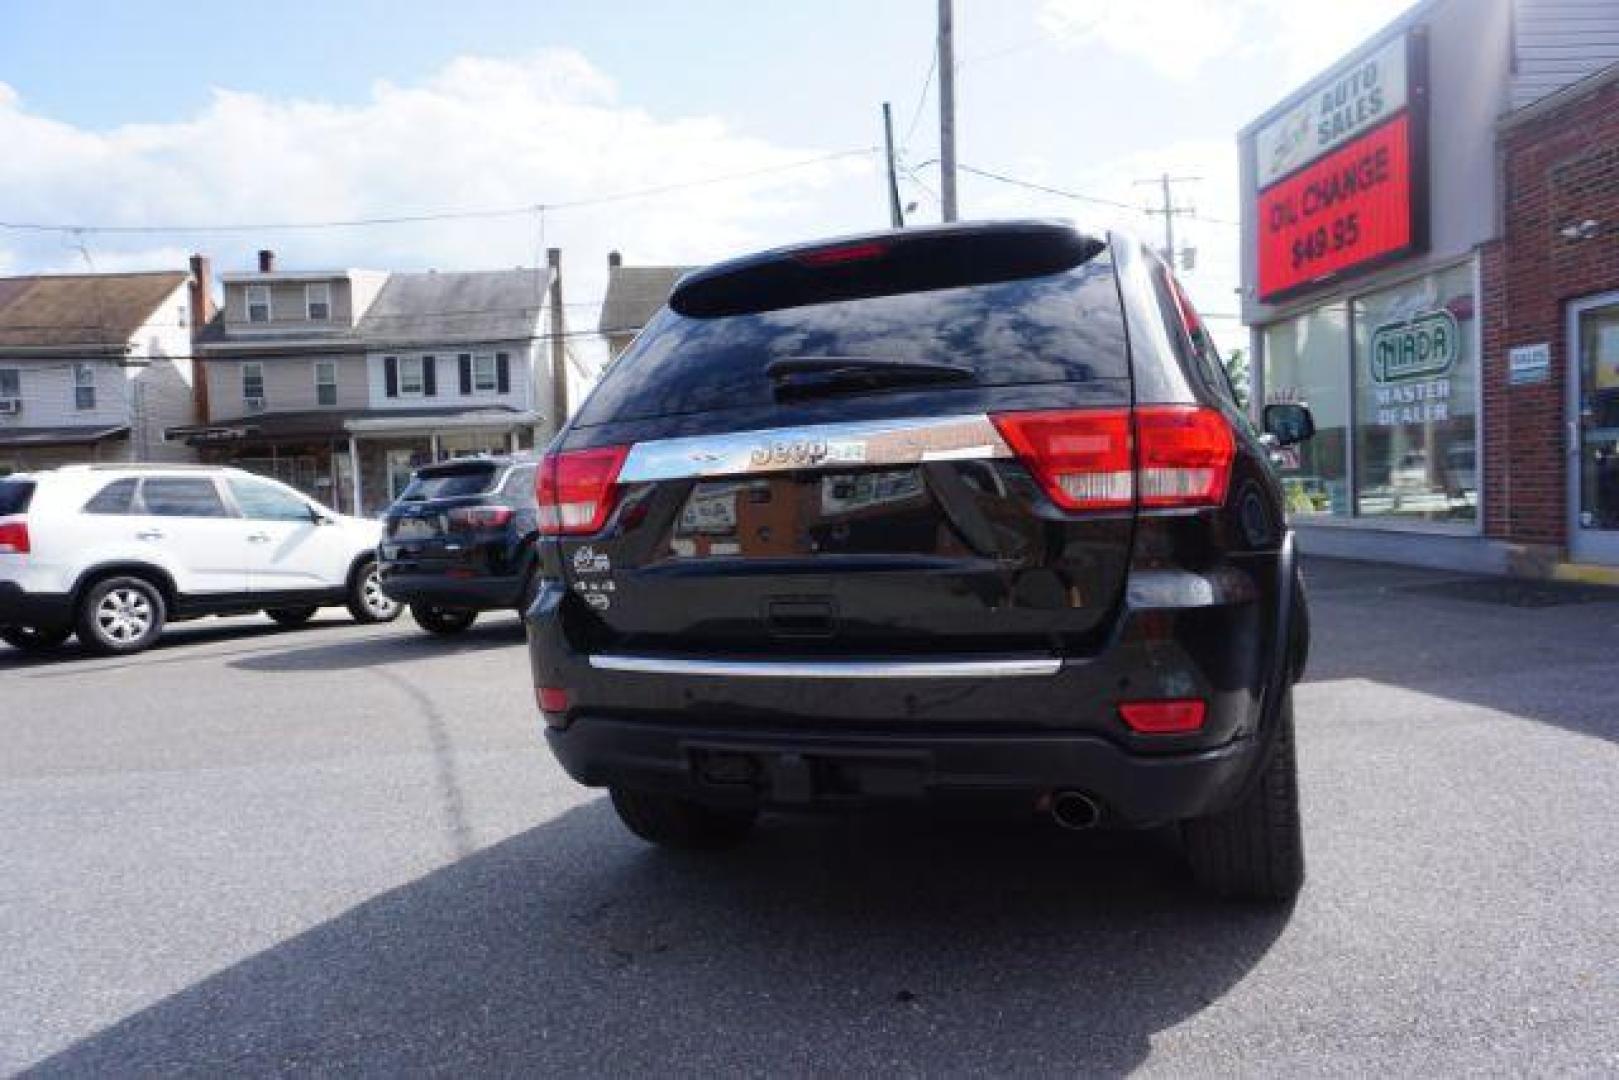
124, 615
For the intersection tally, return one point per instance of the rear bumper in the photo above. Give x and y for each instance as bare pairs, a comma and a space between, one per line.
440, 589
804, 731
19, 607
788, 769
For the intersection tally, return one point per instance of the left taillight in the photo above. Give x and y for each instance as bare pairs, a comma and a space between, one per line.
576, 489
14, 538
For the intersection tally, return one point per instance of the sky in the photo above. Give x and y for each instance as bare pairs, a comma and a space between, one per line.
676, 133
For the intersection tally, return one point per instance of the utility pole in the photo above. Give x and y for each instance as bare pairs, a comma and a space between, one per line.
947, 111
1170, 211
896, 216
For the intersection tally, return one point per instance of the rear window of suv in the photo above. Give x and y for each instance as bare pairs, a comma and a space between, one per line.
1053, 327
15, 495
450, 481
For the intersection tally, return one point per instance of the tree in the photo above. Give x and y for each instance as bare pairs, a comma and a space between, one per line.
1236, 365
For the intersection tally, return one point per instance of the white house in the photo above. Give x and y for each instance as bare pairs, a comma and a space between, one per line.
95, 367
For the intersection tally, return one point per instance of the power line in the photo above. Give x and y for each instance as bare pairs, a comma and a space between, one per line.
921, 100
539, 208
1081, 196
1032, 186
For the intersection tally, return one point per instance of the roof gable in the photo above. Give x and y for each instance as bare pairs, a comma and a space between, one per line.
634, 295
447, 308
81, 309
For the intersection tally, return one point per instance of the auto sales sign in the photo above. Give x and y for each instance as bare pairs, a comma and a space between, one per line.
1340, 174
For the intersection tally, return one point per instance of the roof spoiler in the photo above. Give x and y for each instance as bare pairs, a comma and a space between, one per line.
884, 264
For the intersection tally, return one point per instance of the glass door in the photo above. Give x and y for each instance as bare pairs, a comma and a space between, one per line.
1594, 430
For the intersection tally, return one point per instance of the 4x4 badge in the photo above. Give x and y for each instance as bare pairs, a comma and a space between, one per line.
587, 560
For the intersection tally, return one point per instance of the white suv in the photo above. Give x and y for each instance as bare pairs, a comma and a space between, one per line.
112, 552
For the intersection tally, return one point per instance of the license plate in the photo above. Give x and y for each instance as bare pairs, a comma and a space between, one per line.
416, 529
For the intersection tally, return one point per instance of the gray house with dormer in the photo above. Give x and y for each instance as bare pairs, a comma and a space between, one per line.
344, 382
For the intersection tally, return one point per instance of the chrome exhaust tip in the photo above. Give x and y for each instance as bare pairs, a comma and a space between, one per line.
1075, 810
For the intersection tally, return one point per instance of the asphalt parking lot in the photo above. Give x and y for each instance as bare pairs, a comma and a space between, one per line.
344, 849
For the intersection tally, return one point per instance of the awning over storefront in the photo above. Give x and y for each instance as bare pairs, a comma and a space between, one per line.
270, 427
393, 423
60, 436
338, 424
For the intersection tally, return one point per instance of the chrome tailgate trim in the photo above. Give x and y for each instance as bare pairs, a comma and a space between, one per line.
904, 441
999, 668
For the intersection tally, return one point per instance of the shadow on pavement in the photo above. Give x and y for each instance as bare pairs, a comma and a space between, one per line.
349, 653
823, 945
176, 638
1543, 652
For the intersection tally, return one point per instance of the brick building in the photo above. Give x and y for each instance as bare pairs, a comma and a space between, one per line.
1431, 261
1551, 446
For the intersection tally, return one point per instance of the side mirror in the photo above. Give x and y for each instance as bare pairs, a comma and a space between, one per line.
1288, 424
318, 518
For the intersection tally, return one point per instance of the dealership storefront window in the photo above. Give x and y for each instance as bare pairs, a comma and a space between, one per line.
1392, 378
1416, 388
1305, 360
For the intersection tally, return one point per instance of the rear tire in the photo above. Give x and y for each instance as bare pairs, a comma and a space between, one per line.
673, 822
121, 615
367, 602
444, 621
35, 639
291, 616
1255, 849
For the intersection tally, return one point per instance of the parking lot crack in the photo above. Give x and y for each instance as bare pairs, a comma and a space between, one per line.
445, 771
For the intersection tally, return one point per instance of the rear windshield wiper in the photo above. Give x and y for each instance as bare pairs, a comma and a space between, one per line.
844, 374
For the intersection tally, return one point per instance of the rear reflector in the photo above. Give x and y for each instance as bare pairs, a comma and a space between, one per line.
552, 699
575, 489
480, 517
1084, 458
14, 538
1176, 716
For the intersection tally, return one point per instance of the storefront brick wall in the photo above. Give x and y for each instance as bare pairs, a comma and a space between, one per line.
1558, 170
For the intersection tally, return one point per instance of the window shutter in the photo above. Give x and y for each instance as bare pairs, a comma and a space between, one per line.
466, 374
430, 376
390, 375
503, 373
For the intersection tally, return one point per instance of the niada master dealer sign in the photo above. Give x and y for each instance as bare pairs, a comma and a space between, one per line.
1411, 365
1341, 174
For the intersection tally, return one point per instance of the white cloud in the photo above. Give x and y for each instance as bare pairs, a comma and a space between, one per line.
481, 132
1179, 38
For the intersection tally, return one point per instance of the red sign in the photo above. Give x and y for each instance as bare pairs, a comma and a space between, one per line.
1347, 209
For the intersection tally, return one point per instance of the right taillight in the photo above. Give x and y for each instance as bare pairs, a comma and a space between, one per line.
575, 489
1185, 455
14, 538
1111, 459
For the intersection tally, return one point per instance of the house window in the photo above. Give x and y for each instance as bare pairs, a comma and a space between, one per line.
410, 376
258, 303
10, 383
253, 384
483, 373
180, 315
84, 387
318, 301
325, 382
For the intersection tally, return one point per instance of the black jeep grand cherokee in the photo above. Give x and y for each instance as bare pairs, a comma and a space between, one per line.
958, 513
